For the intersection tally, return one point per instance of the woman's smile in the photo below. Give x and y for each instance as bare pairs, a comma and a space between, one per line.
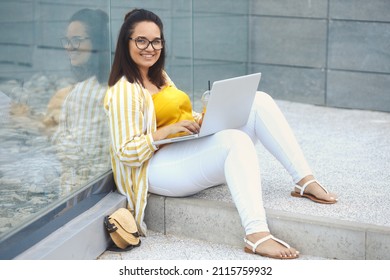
147, 55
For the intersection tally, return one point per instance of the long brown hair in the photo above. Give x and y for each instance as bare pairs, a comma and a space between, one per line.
123, 64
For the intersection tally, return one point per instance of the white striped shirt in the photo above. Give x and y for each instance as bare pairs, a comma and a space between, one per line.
132, 121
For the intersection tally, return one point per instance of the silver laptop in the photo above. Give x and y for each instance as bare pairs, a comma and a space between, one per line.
228, 106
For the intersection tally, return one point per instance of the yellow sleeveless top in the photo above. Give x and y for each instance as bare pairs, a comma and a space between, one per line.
171, 106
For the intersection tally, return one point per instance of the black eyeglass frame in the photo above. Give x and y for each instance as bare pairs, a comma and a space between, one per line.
149, 43
70, 42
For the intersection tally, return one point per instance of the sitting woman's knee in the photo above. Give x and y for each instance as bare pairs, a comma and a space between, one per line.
233, 137
263, 97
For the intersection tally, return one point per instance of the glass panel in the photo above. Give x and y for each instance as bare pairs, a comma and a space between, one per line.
53, 130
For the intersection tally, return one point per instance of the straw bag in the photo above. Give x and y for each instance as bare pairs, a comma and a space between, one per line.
123, 230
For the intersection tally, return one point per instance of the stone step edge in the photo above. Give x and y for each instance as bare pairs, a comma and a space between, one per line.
219, 222
216, 222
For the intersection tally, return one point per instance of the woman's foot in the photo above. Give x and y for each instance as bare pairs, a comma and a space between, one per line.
269, 246
314, 191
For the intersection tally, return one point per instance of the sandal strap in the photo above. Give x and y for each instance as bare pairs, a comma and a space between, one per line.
308, 183
258, 242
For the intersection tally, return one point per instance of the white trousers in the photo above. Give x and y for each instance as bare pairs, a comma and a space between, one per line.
230, 157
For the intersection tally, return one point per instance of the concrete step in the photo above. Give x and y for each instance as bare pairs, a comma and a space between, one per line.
218, 222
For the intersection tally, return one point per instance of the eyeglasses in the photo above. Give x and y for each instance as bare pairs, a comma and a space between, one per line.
142, 43
74, 41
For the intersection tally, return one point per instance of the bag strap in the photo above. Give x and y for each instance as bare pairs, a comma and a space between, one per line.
109, 226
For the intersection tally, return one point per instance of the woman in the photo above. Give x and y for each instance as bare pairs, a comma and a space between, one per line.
143, 105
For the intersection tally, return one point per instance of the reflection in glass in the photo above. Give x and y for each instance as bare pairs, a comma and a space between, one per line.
48, 152
81, 135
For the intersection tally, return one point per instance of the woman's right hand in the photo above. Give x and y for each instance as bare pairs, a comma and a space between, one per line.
185, 126
19, 110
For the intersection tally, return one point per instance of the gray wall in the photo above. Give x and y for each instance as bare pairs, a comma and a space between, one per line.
326, 52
